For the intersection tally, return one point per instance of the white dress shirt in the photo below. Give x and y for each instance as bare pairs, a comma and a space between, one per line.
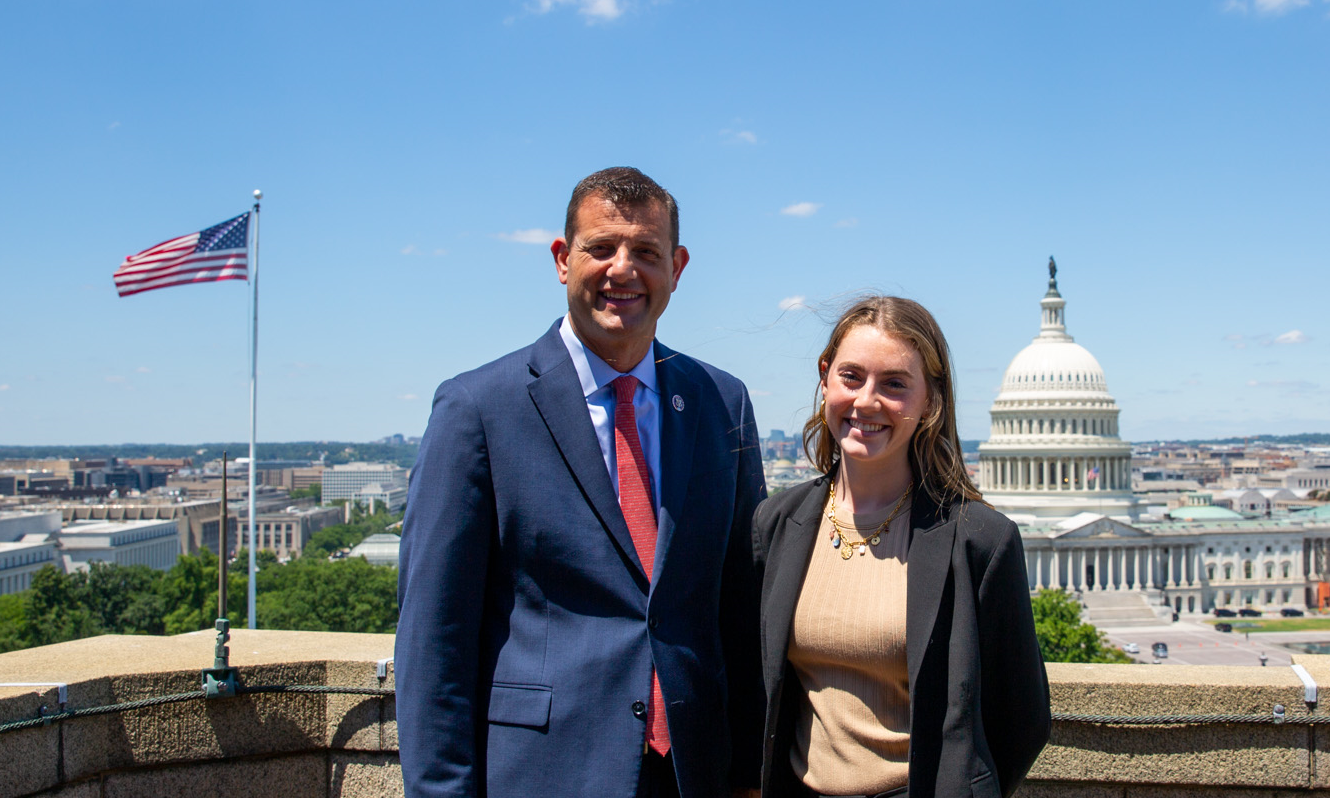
596, 375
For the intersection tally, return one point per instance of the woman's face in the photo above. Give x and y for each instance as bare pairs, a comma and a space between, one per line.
875, 393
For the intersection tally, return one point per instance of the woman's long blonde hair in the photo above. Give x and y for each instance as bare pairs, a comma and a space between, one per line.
935, 450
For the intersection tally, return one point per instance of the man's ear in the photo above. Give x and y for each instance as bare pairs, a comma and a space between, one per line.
680, 261
559, 249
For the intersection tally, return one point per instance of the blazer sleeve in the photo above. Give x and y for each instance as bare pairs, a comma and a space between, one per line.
739, 611
446, 539
1014, 686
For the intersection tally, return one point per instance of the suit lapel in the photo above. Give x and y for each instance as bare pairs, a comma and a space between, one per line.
792, 546
557, 394
680, 408
932, 536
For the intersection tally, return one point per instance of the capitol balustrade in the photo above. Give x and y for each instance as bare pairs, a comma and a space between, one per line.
1119, 730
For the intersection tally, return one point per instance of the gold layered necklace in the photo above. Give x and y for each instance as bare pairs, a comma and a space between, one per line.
841, 541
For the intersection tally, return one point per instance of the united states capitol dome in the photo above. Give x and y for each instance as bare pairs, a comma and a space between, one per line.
1053, 449
1050, 366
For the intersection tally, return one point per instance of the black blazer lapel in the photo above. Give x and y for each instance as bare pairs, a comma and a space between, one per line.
787, 564
557, 394
932, 536
680, 409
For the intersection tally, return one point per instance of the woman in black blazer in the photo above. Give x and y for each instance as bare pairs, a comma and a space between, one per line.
898, 645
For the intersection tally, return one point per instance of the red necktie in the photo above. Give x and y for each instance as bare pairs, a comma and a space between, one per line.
639, 510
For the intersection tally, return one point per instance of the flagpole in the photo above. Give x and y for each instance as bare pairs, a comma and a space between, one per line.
253, 378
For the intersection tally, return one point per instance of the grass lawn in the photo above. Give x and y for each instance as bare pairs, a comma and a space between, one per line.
1276, 624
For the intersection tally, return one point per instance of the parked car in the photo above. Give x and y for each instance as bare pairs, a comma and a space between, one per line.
1160, 650
1223, 627
1291, 612
1248, 612
1131, 648
1220, 612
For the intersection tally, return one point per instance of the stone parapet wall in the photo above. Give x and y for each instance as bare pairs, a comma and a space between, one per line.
282, 745
287, 745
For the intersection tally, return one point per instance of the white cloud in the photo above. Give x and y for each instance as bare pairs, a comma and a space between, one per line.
739, 136
1278, 6
535, 235
1266, 7
593, 10
408, 397
143, 370
439, 253
792, 302
606, 9
115, 378
409, 249
851, 222
4, 387
801, 209
1292, 337
113, 126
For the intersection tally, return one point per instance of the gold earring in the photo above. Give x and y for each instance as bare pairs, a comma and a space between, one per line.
822, 413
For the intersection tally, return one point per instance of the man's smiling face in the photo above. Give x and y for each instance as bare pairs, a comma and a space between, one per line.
620, 269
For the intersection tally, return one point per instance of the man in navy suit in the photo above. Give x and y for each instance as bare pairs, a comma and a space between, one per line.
536, 654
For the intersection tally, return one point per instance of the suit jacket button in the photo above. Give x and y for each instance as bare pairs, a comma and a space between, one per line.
639, 710
653, 622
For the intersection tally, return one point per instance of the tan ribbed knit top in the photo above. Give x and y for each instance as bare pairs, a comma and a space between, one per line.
847, 646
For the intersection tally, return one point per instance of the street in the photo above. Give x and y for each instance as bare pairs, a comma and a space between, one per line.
1199, 644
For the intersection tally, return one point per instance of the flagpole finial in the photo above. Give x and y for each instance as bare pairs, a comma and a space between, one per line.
258, 194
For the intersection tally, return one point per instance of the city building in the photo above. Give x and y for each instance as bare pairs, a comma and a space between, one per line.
347, 481
154, 543
27, 544
19, 560
380, 549
197, 520
375, 495
284, 531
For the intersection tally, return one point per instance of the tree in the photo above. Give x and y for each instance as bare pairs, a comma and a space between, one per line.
314, 492
1064, 637
11, 623
124, 599
54, 610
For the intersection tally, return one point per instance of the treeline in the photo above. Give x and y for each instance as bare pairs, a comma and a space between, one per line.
310, 593
1301, 439
333, 452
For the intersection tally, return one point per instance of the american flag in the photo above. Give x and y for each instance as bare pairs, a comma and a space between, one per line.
1093, 473
219, 253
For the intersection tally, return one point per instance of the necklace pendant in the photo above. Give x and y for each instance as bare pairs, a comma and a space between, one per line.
876, 539
862, 549
845, 553
835, 543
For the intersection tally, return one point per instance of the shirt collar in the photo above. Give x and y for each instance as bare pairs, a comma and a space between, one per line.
594, 373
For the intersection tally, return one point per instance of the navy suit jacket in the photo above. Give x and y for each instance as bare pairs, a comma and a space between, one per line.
528, 628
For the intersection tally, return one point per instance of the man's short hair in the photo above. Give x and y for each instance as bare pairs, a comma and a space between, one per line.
621, 185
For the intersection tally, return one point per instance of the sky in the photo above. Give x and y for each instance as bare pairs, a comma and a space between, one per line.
416, 159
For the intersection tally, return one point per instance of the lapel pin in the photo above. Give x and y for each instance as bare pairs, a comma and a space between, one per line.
677, 401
